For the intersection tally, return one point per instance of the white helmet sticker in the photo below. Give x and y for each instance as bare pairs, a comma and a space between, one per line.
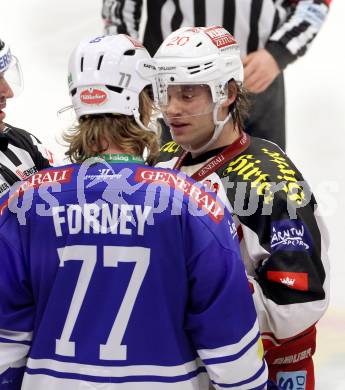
5, 61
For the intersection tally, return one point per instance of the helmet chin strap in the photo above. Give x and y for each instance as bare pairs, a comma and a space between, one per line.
219, 125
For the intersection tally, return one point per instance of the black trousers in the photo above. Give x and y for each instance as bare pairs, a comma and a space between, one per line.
267, 113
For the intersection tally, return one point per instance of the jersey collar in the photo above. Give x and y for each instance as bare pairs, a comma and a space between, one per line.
120, 158
201, 158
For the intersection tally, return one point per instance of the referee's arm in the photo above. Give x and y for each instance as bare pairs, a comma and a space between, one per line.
293, 38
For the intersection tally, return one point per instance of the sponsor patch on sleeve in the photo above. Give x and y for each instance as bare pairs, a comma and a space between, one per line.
290, 235
293, 280
294, 380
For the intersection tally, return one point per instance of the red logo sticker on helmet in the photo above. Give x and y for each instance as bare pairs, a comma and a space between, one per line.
135, 42
93, 96
220, 37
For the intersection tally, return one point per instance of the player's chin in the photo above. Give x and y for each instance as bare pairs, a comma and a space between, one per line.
181, 139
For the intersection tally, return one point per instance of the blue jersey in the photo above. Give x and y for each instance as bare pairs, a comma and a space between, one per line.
123, 276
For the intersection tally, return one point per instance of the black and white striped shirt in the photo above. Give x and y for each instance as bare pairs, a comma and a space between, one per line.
284, 27
21, 155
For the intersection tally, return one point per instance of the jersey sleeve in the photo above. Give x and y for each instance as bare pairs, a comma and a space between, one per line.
303, 22
122, 16
16, 315
286, 249
221, 318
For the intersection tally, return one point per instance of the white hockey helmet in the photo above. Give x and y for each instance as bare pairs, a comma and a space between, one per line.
107, 74
199, 55
10, 69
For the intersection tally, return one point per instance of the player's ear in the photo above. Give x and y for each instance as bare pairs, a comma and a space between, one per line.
232, 94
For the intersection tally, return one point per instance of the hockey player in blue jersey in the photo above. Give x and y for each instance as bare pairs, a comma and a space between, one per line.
116, 275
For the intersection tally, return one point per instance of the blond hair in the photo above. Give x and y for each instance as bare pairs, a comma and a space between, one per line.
95, 133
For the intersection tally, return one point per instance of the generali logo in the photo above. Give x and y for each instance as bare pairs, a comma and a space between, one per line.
47, 177
93, 96
196, 194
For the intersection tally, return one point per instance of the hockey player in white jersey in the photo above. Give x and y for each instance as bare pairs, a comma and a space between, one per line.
283, 242
105, 289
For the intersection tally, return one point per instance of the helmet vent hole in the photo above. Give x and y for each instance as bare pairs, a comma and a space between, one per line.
128, 98
100, 62
82, 64
73, 91
195, 67
114, 88
208, 65
130, 52
199, 44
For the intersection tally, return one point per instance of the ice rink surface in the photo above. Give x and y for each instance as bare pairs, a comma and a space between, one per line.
43, 33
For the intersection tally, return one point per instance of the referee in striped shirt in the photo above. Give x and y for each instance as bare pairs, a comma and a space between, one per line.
21, 154
271, 33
